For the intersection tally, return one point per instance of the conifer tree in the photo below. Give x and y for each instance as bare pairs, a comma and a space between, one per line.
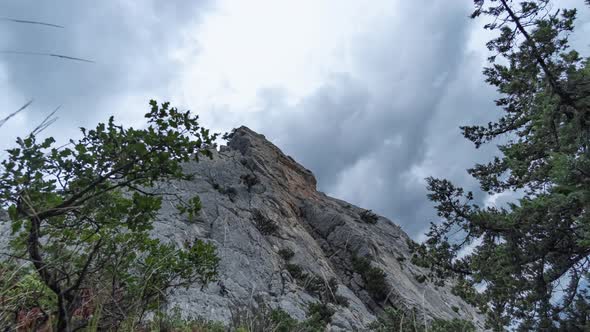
531, 257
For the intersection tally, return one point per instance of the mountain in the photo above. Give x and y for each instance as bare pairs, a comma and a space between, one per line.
260, 207
287, 245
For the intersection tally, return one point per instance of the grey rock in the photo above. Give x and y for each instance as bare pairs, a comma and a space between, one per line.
323, 232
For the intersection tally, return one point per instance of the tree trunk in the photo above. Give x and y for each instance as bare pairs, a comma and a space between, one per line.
63, 315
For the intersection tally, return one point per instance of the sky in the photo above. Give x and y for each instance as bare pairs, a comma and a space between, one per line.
368, 95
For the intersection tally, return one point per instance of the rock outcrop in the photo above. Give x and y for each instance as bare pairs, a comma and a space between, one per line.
258, 205
258, 201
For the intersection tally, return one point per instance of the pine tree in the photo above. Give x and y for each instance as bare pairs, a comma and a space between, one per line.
531, 258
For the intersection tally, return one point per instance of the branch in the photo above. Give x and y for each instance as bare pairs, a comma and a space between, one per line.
566, 98
85, 268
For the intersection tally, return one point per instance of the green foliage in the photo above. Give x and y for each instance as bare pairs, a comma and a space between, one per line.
174, 321
369, 217
532, 255
21, 291
393, 319
250, 180
82, 215
261, 317
286, 254
296, 271
373, 277
229, 135
191, 208
264, 224
318, 286
453, 325
318, 316
577, 315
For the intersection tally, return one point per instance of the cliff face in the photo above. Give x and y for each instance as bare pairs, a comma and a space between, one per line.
257, 201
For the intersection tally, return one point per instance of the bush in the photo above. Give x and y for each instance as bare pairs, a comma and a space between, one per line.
318, 286
286, 254
24, 299
318, 316
296, 271
250, 180
453, 325
265, 225
174, 321
369, 217
373, 277
261, 317
394, 319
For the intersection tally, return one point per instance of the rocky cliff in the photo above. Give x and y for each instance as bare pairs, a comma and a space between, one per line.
286, 244
283, 242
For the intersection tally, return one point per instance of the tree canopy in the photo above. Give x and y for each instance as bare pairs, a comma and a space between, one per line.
81, 215
529, 259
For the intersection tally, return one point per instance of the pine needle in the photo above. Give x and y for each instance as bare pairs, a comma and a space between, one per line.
31, 22
47, 54
3, 121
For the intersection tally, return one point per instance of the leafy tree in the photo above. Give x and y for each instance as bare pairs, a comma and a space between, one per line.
531, 257
81, 214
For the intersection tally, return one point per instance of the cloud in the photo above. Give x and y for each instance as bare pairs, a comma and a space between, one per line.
369, 96
374, 130
132, 46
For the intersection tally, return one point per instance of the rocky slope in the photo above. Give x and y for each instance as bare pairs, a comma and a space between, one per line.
258, 202
248, 187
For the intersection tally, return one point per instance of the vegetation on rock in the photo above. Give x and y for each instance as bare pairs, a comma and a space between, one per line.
373, 277
81, 215
369, 217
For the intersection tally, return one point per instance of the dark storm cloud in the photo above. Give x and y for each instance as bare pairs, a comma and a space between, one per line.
128, 41
368, 134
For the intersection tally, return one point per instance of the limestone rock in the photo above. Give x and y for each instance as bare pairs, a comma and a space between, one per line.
251, 176
323, 232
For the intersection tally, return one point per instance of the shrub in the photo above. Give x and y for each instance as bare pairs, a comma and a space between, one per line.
453, 325
373, 277
229, 135
261, 317
250, 180
369, 217
173, 321
296, 271
318, 316
90, 209
265, 225
286, 254
318, 286
394, 319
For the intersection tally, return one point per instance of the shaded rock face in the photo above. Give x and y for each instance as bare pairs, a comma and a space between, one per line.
250, 178
257, 201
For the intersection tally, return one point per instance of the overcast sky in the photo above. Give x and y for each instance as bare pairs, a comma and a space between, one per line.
369, 95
